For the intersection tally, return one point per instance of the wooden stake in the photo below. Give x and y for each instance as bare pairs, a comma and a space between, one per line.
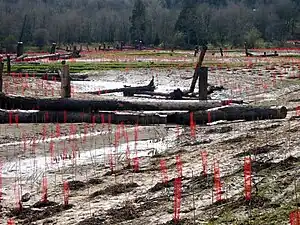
194, 206
8, 64
65, 82
246, 49
53, 48
1, 79
203, 76
20, 49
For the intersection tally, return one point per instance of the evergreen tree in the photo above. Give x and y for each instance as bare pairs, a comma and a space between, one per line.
138, 21
186, 24
156, 40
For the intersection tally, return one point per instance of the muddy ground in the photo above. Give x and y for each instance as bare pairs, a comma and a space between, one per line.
98, 196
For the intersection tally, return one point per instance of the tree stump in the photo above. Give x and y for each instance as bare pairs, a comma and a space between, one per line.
65, 82
20, 49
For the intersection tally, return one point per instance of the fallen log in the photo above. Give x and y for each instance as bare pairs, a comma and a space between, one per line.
11, 116
48, 76
30, 74
107, 103
230, 113
21, 57
128, 91
264, 55
57, 77
269, 55
177, 94
50, 56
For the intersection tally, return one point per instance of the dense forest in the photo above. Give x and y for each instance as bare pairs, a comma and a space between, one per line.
182, 23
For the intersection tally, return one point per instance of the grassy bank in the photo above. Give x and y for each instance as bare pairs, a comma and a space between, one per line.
80, 67
77, 67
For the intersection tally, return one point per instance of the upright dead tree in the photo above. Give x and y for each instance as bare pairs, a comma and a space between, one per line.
199, 64
202, 73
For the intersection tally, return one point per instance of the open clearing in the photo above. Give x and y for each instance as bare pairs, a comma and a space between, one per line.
126, 197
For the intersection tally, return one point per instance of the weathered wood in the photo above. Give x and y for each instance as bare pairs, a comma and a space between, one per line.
53, 48
203, 76
49, 76
54, 56
177, 94
268, 55
106, 104
246, 49
21, 58
80, 117
20, 49
57, 77
65, 82
36, 75
254, 55
230, 113
128, 91
1, 73
199, 64
8, 64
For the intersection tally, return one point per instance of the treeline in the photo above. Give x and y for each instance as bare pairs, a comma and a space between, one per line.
171, 23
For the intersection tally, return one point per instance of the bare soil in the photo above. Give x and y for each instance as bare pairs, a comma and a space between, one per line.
126, 196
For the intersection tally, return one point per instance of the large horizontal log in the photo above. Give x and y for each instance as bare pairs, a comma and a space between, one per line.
33, 116
230, 113
109, 104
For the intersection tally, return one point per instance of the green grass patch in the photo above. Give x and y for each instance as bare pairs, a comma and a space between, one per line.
76, 67
79, 67
290, 56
